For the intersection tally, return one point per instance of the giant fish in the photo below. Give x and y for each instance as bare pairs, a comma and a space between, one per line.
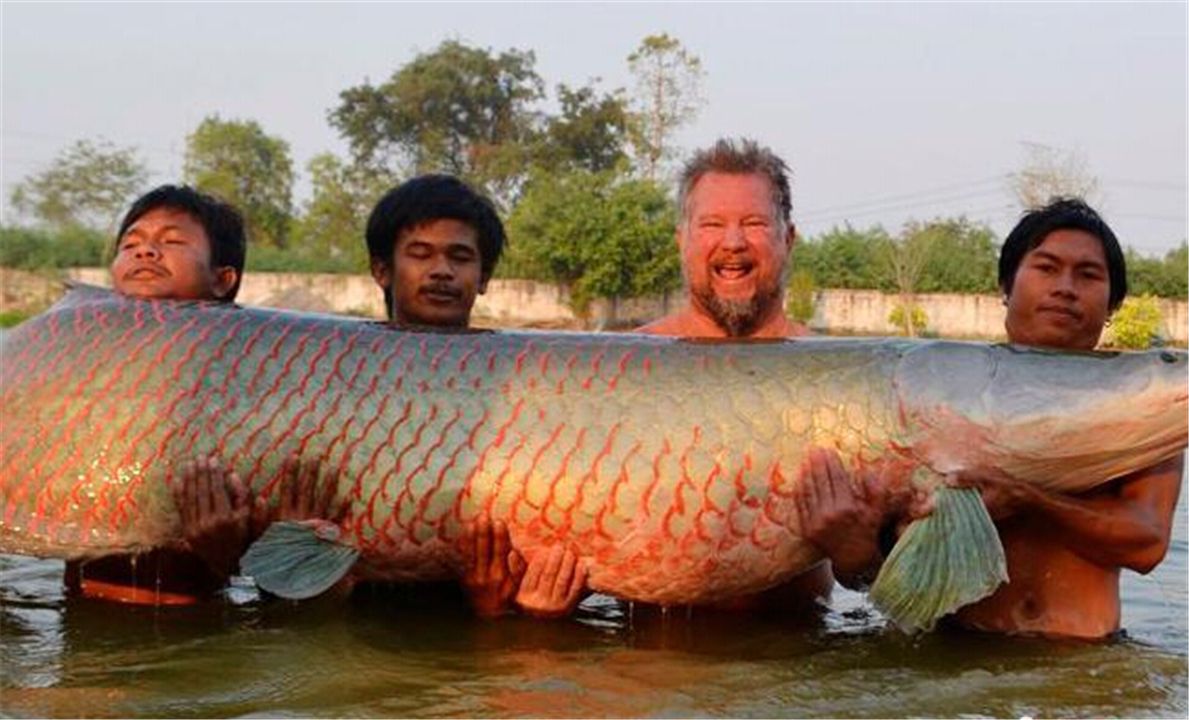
668, 465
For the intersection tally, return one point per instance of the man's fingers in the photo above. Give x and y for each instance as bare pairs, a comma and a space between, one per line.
552, 566
565, 573
500, 541
578, 583
840, 484
330, 488
516, 566
220, 503
482, 544
532, 574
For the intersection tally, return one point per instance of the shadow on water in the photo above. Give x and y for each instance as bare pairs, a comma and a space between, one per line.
418, 652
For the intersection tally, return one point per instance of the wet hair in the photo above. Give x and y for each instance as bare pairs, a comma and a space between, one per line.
1063, 214
427, 198
222, 223
742, 157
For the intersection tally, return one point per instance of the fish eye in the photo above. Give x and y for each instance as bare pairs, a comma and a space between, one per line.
1168, 357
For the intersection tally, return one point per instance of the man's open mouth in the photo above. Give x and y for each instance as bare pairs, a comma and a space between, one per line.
732, 270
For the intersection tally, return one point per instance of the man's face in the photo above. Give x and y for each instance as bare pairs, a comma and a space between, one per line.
734, 249
434, 274
167, 254
1060, 294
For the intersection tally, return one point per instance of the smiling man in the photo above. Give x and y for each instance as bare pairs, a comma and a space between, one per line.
735, 236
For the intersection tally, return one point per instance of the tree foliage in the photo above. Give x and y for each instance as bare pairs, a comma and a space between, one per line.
88, 184
334, 219
38, 249
457, 109
668, 95
591, 133
842, 258
237, 161
600, 234
1166, 277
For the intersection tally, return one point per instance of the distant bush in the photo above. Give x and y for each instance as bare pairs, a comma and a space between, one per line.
801, 296
264, 258
34, 249
899, 318
10, 318
1136, 324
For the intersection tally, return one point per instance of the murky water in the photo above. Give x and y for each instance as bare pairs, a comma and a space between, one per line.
417, 653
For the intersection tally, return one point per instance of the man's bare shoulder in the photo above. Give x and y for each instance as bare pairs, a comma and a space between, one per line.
668, 325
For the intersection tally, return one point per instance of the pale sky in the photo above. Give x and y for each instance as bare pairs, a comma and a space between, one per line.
886, 112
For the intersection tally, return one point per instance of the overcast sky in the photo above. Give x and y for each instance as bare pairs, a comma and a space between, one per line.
886, 112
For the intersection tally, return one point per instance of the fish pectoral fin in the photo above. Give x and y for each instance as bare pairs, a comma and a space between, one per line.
942, 562
298, 560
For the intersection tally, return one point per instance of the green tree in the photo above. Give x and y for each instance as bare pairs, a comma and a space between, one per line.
590, 133
668, 95
963, 256
843, 258
1166, 277
334, 220
457, 109
599, 234
88, 184
903, 260
237, 161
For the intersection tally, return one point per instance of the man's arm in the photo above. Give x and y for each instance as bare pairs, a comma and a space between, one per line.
1127, 523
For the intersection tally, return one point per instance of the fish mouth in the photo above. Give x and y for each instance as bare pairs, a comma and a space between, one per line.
146, 272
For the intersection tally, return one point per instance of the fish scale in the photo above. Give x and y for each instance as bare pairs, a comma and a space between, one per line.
669, 465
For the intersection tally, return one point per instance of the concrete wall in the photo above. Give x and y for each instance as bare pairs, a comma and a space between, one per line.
523, 303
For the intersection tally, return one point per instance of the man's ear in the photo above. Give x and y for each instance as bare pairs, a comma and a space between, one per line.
483, 285
225, 279
790, 237
381, 273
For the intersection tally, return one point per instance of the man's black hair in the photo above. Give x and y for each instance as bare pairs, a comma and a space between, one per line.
1063, 214
434, 197
223, 224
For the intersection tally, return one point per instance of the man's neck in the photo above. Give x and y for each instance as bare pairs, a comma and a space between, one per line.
691, 321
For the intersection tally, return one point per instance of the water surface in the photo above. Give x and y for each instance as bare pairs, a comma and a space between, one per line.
414, 653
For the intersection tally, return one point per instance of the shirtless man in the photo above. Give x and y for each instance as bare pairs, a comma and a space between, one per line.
180, 244
735, 235
434, 244
1062, 273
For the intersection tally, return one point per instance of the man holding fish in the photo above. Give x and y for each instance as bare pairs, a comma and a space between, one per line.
1062, 273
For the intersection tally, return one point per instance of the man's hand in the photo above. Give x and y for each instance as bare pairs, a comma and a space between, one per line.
841, 516
305, 493
1003, 494
553, 584
215, 508
492, 569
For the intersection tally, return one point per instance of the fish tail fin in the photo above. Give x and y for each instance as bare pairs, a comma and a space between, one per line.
298, 560
949, 559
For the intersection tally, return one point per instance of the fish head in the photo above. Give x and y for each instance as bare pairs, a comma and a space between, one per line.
1062, 418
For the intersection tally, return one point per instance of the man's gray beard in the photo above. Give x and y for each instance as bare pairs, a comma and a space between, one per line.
738, 318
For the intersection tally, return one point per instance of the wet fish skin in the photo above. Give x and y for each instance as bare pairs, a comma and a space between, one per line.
667, 464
